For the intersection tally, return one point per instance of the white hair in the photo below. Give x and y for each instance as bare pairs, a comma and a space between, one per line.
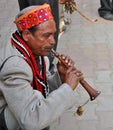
25, 10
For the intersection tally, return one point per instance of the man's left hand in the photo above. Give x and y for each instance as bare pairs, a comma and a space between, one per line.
62, 67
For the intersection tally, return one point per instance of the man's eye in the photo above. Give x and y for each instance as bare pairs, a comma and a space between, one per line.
47, 35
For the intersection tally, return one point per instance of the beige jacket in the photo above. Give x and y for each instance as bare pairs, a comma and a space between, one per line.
25, 107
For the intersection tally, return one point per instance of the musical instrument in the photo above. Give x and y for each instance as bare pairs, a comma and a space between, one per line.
91, 91
70, 7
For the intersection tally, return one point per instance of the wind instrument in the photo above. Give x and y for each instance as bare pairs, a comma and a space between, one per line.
91, 91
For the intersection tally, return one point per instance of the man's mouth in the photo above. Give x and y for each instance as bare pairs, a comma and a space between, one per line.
48, 48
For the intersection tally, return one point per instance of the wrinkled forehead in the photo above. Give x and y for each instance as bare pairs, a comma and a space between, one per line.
47, 27
34, 17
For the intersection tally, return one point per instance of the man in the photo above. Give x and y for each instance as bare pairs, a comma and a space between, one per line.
29, 100
55, 11
106, 9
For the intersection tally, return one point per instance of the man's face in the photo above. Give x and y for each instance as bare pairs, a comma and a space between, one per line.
42, 41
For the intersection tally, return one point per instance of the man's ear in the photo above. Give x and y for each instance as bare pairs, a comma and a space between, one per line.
26, 35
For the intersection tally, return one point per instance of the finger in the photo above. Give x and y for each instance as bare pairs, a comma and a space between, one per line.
70, 62
63, 56
67, 60
71, 69
79, 73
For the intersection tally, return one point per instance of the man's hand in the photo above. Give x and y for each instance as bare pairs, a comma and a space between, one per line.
68, 73
73, 77
67, 62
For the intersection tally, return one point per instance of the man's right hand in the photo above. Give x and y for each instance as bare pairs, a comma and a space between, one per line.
73, 77
68, 73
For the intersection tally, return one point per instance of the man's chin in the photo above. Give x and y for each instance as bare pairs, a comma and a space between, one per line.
47, 53
44, 53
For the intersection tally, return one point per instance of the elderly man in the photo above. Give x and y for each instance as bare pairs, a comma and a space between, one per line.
55, 11
29, 99
54, 4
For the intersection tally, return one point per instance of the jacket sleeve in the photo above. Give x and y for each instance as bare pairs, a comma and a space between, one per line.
31, 110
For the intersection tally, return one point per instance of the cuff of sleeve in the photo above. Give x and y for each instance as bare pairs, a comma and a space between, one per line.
69, 94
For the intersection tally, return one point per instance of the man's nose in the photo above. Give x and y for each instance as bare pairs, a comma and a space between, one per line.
52, 40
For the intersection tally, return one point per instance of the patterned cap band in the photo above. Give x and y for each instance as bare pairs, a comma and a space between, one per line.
34, 17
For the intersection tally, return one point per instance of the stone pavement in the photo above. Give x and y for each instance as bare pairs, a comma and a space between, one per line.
91, 47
